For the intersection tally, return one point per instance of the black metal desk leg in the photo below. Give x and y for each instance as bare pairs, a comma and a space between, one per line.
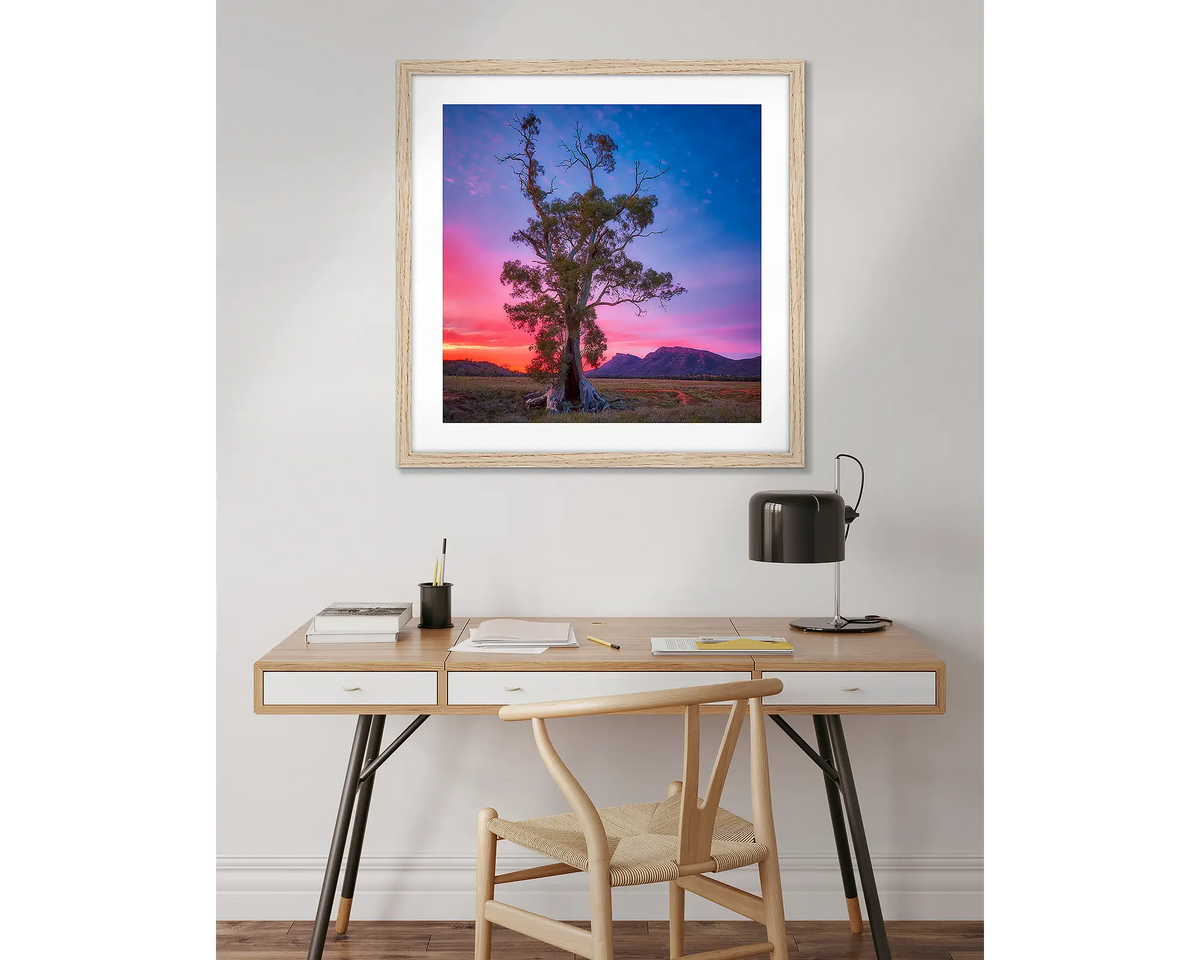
341, 827
839, 829
859, 837
361, 810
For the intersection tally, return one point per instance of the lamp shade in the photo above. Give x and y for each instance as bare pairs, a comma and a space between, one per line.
797, 526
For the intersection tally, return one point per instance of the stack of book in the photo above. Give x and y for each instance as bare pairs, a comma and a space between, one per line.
359, 623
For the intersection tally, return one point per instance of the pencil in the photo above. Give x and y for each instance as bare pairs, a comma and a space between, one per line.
605, 642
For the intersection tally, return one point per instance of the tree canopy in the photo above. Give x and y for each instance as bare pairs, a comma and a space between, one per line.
579, 261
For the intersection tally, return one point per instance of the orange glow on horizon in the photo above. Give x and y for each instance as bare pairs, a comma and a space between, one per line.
506, 355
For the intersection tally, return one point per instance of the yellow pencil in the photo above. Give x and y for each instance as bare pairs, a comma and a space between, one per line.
605, 642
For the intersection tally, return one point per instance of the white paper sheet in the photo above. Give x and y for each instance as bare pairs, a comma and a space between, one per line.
470, 646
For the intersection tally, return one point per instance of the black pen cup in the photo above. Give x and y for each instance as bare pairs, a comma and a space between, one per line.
435, 605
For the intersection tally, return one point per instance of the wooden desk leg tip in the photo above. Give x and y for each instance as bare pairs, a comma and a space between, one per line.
855, 915
343, 917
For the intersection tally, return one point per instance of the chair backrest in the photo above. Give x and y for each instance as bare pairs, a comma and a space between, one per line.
634, 702
697, 814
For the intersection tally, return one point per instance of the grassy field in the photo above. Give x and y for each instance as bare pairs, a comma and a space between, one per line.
499, 400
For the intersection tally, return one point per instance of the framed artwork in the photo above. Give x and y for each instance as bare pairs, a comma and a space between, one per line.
600, 263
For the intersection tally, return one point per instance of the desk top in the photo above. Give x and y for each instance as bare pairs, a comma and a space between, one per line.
421, 650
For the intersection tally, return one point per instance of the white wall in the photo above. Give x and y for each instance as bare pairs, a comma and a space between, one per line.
312, 508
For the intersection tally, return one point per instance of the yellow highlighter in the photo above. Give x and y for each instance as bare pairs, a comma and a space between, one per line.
605, 642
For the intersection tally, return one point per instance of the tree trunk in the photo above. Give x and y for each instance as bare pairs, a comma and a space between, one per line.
571, 392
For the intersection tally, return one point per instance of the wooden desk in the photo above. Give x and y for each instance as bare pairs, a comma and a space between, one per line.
829, 675
886, 672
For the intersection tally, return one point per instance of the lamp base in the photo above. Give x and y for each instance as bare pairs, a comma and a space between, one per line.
826, 625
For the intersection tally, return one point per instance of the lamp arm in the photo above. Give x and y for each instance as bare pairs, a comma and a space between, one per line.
852, 513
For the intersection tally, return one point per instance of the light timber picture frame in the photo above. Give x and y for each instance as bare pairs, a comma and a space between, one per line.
600, 263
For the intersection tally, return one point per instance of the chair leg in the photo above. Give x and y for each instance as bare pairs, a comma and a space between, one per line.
676, 895
600, 898
485, 884
772, 895
764, 833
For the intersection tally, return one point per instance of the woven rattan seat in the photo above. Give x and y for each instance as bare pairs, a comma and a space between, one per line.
643, 840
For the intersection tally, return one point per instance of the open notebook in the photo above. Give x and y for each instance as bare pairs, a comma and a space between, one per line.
703, 645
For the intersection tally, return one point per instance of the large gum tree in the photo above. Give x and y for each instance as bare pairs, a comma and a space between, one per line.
578, 263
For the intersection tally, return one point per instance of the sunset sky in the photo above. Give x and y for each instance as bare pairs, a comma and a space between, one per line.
709, 203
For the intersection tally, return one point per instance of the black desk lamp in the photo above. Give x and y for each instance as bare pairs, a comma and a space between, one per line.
810, 526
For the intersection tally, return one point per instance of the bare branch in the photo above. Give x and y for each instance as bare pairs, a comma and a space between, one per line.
642, 176
577, 154
636, 301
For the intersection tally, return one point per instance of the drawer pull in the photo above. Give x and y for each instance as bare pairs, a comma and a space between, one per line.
512, 689
849, 689
351, 689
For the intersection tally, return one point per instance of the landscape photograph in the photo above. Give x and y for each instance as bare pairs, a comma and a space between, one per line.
602, 263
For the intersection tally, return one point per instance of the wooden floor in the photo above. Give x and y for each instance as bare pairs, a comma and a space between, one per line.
634, 940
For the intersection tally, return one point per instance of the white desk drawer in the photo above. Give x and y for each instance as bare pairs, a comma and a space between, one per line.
868, 687
347, 687
533, 686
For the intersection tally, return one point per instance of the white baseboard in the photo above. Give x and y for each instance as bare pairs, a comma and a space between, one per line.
911, 887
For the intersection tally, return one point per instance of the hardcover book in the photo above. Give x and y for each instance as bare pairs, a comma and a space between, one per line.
362, 618
311, 637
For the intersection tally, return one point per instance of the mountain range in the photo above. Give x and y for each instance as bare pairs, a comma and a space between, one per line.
668, 363
476, 368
